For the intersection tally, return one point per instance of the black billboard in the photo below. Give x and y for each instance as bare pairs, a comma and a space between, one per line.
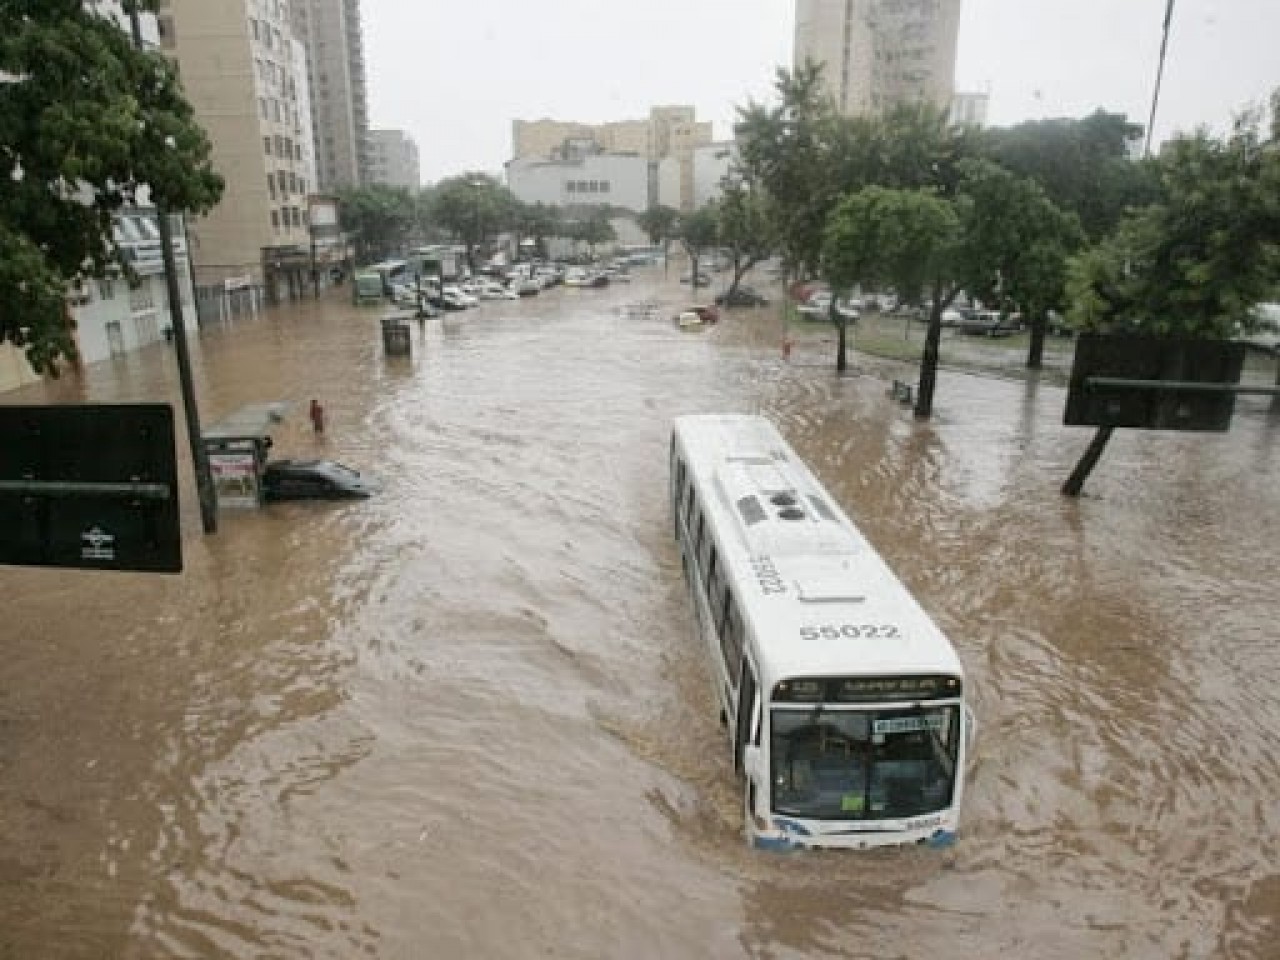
92, 486
1170, 383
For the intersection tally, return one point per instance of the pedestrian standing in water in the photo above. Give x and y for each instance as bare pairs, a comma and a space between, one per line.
317, 416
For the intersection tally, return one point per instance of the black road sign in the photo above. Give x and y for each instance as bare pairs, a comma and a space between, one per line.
93, 486
1151, 383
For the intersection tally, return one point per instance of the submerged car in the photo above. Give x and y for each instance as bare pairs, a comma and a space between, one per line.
314, 480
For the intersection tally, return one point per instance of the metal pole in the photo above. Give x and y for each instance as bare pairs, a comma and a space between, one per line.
204, 480
1155, 96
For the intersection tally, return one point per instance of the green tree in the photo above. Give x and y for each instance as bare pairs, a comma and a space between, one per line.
660, 224
791, 152
699, 232
474, 208
537, 222
1083, 165
1018, 243
90, 125
596, 229
379, 219
1195, 263
745, 228
910, 240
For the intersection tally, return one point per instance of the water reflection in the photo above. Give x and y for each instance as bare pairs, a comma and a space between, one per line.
466, 718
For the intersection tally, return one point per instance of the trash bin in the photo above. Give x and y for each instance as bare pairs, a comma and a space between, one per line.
396, 339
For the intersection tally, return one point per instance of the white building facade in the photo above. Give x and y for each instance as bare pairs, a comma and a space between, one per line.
595, 180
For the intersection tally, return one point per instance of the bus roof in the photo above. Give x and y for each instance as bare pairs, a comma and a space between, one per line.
820, 599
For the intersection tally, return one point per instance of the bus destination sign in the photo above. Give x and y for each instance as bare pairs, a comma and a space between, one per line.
867, 689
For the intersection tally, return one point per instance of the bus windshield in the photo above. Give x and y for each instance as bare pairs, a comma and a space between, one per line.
834, 763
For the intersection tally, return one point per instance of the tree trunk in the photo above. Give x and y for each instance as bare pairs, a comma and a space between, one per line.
739, 271
842, 361
929, 360
1275, 398
1035, 351
1075, 483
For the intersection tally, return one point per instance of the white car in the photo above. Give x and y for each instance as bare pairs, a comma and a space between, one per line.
492, 290
453, 294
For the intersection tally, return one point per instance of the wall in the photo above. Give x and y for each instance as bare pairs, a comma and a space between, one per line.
627, 179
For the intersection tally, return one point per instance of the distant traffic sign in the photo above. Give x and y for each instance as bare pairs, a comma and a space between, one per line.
93, 486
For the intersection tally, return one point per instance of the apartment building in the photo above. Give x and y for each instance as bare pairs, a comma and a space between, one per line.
330, 31
244, 72
877, 53
669, 132
393, 159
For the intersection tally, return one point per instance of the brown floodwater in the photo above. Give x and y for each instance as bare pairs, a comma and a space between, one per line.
466, 718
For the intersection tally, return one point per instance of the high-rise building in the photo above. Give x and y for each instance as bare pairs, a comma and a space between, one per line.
878, 53
245, 75
330, 30
393, 159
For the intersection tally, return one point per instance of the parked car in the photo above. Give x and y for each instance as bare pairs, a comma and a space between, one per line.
492, 290
453, 299
990, 323
818, 306
526, 287
742, 297
314, 480
458, 296
1266, 333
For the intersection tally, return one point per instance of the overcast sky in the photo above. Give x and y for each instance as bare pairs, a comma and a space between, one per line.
454, 75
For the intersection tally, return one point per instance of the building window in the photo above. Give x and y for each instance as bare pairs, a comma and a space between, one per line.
266, 143
271, 186
604, 186
275, 220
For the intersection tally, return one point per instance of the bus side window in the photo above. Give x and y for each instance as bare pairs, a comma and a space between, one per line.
706, 553
731, 637
748, 729
716, 592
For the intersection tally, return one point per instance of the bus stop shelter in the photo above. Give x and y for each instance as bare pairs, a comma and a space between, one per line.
237, 449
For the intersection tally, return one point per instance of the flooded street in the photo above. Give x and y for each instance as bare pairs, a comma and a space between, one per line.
466, 718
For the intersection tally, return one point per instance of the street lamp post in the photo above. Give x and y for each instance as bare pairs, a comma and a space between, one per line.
204, 479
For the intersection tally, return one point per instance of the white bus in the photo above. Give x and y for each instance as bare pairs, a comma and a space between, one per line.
844, 702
